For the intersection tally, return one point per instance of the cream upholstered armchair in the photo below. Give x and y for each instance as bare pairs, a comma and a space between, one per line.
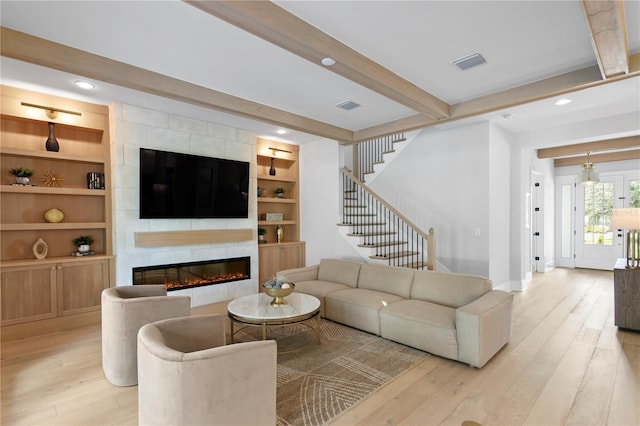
187, 376
124, 310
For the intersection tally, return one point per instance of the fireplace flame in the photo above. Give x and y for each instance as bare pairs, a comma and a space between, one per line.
194, 282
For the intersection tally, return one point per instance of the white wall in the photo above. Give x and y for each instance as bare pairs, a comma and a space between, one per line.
133, 127
320, 187
499, 207
441, 180
444, 176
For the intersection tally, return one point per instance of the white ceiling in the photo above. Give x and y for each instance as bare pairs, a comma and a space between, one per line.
522, 41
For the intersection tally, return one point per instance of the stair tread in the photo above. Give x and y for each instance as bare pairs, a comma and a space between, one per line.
394, 255
383, 244
360, 214
415, 265
371, 234
360, 225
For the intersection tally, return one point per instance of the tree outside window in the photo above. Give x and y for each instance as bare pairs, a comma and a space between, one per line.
634, 193
598, 205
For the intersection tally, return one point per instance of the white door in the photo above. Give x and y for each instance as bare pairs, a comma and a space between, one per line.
537, 223
597, 246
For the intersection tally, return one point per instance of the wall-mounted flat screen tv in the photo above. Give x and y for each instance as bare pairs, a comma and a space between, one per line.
179, 186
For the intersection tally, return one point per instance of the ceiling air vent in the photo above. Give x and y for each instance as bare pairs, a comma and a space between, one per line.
348, 105
469, 61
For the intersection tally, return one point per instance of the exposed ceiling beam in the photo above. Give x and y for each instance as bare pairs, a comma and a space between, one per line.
35, 50
43, 52
598, 158
605, 19
543, 89
598, 146
282, 28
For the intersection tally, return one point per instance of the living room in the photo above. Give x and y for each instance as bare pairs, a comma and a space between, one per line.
479, 206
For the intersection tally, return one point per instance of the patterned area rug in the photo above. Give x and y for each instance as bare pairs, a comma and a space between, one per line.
317, 382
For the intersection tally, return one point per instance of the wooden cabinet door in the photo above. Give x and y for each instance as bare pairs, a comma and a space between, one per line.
28, 293
80, 286
291, 256
268, 260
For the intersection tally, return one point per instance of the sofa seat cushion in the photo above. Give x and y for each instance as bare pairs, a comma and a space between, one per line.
422, 325
319, 289
358, 307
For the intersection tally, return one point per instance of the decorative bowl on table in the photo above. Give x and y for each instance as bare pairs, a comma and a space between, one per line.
278, 290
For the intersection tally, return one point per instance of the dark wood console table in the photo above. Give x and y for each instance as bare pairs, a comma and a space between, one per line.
626, 283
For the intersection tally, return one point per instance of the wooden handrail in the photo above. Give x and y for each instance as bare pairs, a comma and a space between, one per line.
429, 237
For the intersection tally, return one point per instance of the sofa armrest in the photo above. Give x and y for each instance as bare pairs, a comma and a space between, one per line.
307, 273
483, 327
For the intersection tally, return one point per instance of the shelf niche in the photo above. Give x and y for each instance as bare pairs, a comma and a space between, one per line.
290, 252
45, 291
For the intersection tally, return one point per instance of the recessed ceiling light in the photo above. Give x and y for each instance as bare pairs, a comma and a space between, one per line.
563, 101
85, 85
327, 62
281, 131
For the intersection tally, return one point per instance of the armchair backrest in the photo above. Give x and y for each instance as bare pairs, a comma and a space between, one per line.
171, 337
132, 291
124, 310
207, 385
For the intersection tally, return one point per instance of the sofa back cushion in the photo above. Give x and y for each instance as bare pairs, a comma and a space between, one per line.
339, 271
453, 290
389, 279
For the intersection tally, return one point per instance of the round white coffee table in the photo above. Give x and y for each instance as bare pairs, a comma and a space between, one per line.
256, 310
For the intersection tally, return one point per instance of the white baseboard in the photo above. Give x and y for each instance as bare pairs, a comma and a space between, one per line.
504, 287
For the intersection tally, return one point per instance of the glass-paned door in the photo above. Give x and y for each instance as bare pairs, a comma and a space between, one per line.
634, 193
597, 245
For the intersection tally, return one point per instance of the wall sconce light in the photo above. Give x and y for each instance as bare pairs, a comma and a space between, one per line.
51, 112
276, 150
629, 218
588, 175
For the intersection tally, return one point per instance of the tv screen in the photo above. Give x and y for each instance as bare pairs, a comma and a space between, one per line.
174, 185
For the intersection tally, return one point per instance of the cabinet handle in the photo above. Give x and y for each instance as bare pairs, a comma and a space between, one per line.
59, 267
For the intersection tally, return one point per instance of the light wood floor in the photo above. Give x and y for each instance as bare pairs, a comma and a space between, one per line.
566, 364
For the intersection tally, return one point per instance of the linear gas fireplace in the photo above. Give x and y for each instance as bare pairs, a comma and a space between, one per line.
194, 274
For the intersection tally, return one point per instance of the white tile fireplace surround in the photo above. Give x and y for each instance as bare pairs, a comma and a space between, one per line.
134, 127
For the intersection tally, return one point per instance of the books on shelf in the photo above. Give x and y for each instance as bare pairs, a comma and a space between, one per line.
84, 253
95, 180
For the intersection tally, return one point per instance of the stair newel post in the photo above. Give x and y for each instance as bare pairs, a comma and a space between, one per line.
431, 250
356, 159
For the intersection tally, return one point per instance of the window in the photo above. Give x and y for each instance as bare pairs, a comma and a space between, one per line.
566, 235
634, 193
598, 204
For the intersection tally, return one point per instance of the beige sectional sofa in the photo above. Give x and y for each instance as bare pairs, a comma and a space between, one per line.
455, 316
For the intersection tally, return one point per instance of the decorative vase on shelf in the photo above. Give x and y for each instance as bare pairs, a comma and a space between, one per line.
53, 215
279, 233
272, 169
22, 180
40, 249
52, 142
84, 248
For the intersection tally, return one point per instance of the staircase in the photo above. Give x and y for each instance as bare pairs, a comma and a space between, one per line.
372, 156
379, 232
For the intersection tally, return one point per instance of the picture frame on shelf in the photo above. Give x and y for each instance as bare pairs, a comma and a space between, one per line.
273, 217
